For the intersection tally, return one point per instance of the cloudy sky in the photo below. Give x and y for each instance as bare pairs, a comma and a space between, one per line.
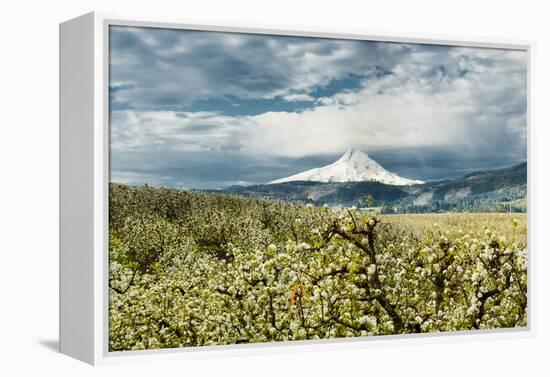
200, 109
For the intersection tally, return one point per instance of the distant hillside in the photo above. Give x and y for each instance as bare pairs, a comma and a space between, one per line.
487, 191
483, 191
485, 181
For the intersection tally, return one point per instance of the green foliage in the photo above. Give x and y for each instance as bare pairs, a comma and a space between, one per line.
368, 200
194, 269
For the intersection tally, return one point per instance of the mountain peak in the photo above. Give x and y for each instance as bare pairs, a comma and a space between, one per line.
354, 166
352, 150
352, 154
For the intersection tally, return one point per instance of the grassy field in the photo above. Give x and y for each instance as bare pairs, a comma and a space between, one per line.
513, 226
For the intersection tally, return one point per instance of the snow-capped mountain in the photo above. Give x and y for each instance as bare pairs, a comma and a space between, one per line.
353, 166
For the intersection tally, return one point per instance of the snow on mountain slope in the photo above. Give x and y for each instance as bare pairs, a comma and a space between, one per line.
353, 166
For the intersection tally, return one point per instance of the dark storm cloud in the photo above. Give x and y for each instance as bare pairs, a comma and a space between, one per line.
213, 169
170, 69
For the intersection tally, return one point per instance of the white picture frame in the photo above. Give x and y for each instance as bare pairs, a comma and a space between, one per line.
84, 178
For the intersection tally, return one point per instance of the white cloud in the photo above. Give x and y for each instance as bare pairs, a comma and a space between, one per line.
295, 97
482, 108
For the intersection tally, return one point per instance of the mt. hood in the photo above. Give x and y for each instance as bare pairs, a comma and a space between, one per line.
353, 166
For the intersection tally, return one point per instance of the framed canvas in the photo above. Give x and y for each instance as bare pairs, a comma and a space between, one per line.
246, 190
